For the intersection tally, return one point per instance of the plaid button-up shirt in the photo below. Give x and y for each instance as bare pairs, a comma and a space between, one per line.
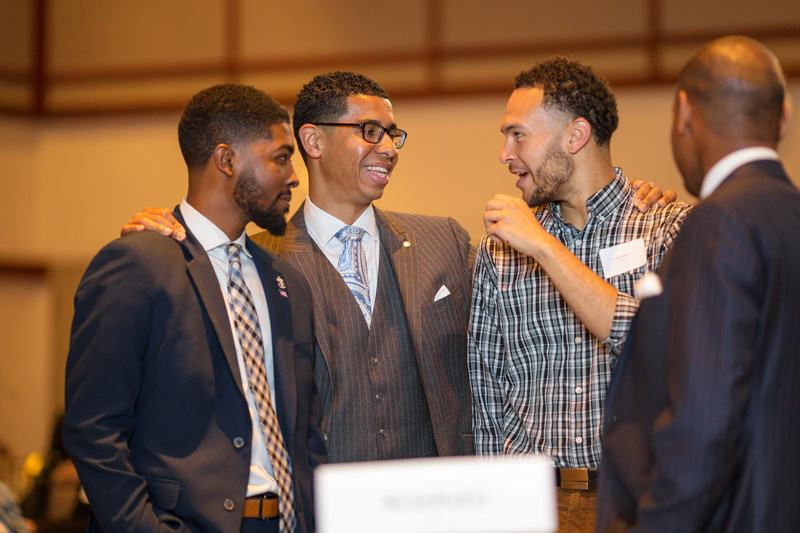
538, 376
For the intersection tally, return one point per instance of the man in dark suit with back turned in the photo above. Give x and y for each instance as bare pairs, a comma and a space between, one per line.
190, 400
702, 425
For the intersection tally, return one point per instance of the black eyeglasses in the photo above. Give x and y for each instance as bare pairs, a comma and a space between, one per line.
373, 133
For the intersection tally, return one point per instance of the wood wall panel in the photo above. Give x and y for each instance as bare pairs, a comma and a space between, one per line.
724, 16
96, 56
16, 42
98, 35
308, 28
470, 23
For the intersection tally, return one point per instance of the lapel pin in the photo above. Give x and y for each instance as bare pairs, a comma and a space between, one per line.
281, 283
283, 293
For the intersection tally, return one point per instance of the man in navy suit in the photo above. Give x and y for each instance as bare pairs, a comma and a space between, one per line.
702, 425
161, 416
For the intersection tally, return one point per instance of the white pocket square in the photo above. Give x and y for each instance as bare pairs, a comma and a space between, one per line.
443, 291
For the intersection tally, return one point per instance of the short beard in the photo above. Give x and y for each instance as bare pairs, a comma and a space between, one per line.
247, 194
551, 177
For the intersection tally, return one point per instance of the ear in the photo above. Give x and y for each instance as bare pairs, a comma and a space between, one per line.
223, 159
313, 140
786, 119
682, 120
579, 132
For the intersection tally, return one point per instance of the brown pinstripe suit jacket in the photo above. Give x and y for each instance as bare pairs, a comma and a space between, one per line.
439, 253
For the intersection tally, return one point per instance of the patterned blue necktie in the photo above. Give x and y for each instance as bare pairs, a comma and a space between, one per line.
249, 330
353, 268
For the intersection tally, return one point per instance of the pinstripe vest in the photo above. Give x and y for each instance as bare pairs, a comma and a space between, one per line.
381, 411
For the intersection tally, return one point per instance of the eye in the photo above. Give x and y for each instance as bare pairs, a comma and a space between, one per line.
371, 129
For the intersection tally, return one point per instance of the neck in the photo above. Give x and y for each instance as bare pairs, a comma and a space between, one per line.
586, 181
345, 212
217, 209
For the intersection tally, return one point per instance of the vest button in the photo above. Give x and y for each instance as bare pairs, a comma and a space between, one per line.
373, 360
228, 504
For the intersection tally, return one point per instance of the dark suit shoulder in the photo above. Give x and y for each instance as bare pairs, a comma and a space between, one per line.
759, 185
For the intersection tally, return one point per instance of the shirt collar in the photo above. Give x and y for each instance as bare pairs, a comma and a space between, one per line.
603, 202
322, 226
206, 232
725, 166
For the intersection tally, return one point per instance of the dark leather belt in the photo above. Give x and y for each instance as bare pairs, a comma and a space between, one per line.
576, 478
261, 507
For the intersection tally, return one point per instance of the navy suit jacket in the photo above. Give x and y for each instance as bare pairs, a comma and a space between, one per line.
156, 418
702, 421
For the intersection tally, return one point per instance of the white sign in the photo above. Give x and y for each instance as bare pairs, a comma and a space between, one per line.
513, 494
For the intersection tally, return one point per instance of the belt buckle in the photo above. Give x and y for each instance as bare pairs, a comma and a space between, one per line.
574, 478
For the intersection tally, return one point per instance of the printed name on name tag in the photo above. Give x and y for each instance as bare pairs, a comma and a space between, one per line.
623, 258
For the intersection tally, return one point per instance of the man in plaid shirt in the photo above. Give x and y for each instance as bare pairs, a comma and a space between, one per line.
554, 288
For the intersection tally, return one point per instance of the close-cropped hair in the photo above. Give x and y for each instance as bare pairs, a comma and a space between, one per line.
227, 113
324, 99
737, 94
574, 90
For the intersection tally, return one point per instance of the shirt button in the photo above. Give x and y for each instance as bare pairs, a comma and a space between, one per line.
578, 390
601, 218
238, 442
379, 396
578, 242
579, 440
228, 504
578, 340
382, 432
325, 436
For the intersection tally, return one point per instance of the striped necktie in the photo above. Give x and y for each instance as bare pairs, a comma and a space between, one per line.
249, 331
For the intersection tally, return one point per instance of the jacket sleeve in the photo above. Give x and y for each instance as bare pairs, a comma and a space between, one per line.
109, 339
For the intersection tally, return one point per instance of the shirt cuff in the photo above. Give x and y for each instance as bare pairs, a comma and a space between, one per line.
625, 310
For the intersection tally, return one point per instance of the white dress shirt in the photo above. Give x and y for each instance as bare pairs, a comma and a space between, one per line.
725, 166
213, 240
323, 228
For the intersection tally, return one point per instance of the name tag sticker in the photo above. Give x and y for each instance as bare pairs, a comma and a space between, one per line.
623, 258
511, 494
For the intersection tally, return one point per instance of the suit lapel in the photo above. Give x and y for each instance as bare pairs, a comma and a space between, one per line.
202, 274
304, 255
404, 260
280, 313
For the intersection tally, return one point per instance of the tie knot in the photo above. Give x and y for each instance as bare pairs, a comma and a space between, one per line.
350, 233
233, 250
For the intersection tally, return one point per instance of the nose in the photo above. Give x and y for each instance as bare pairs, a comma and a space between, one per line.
291, 178
386, 146
506, 154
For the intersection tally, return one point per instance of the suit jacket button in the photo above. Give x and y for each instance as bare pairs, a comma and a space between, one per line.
228, 504
238, 442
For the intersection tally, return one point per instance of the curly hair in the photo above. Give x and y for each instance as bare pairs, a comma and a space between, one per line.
575, 90
227, 113
324, 99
